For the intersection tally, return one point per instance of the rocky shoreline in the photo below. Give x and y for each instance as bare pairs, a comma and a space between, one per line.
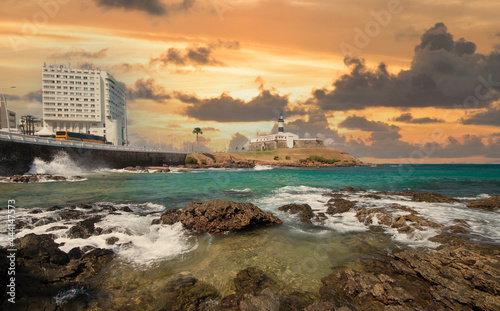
461, 274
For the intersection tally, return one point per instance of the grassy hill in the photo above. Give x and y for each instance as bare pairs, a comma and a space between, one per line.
286, 156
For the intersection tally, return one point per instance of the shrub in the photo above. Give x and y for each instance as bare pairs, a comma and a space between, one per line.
276, 157
203, 161
191, 160
303, 160
287, 157
345, 161
315, 158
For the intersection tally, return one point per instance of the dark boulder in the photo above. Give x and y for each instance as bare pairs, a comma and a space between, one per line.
84, 228
304, 210
338, 206
187, 293
351, 189
219, 216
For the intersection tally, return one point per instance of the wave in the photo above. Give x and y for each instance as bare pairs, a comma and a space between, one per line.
262, 167
125, 229
60, 165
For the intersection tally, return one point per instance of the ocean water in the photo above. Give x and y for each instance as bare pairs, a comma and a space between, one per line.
298, 255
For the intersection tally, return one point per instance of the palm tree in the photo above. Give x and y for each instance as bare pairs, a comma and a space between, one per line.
197, 131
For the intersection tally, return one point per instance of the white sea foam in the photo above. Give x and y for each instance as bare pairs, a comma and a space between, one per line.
60, 165
138, 241
481, 223
262, 167
240, 190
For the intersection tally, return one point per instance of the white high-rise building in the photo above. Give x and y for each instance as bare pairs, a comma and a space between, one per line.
87, 101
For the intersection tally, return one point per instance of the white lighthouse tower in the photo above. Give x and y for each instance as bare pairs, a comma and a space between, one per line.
281, 125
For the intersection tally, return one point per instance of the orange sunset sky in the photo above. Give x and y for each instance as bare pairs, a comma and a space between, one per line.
385, 80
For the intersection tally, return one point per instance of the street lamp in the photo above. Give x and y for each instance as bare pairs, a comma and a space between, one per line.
5, 106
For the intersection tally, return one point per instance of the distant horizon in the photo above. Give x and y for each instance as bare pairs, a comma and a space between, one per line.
387, 80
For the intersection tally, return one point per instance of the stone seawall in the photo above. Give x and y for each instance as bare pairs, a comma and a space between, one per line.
17, 157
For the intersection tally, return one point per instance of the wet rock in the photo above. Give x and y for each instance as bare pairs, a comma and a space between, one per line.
187, 293
252, 281
455, 278
323, 306
219, 216
84, 228
126, 209
337, 206
41, 249
169, 217
304, 210
351, 189
75, 253
33, 178
55, 228
430, 197
490, 204
112, 240
266, 300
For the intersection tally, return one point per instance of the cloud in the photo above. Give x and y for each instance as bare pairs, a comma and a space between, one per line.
147, 89
407, 34
225, 108
489, 117
408, 118
444, 74
362, 124
210, 129
152, 7
33, 96
237, 141
195, 55
80, 53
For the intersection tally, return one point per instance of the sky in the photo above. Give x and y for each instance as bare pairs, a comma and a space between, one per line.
388, 81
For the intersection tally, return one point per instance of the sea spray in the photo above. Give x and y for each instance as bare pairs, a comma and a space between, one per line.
62, 164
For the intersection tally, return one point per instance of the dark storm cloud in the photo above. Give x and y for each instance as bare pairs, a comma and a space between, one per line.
80, 53
147, 89
408, 118
361, 123
444, 73
152, 7
225, 108
194, 55
237, 141
489, 117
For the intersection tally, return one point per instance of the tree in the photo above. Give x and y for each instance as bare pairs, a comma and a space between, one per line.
197, 131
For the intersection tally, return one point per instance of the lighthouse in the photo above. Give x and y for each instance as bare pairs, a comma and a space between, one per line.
281, 124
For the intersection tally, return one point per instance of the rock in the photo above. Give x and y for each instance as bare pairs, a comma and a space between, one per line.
84, 228
351, 189
304, 210
455, 278
187, 293
430, 197
112, 240
267, 300
218, 216
41, 249
75, 253
252, 281
55, 228
490, 204
337, 206
126, 209
321, 306
169, 217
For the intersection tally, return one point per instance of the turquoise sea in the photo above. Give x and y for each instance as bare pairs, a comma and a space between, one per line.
296, 254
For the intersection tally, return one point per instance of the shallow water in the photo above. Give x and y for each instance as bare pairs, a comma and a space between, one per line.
298, 255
